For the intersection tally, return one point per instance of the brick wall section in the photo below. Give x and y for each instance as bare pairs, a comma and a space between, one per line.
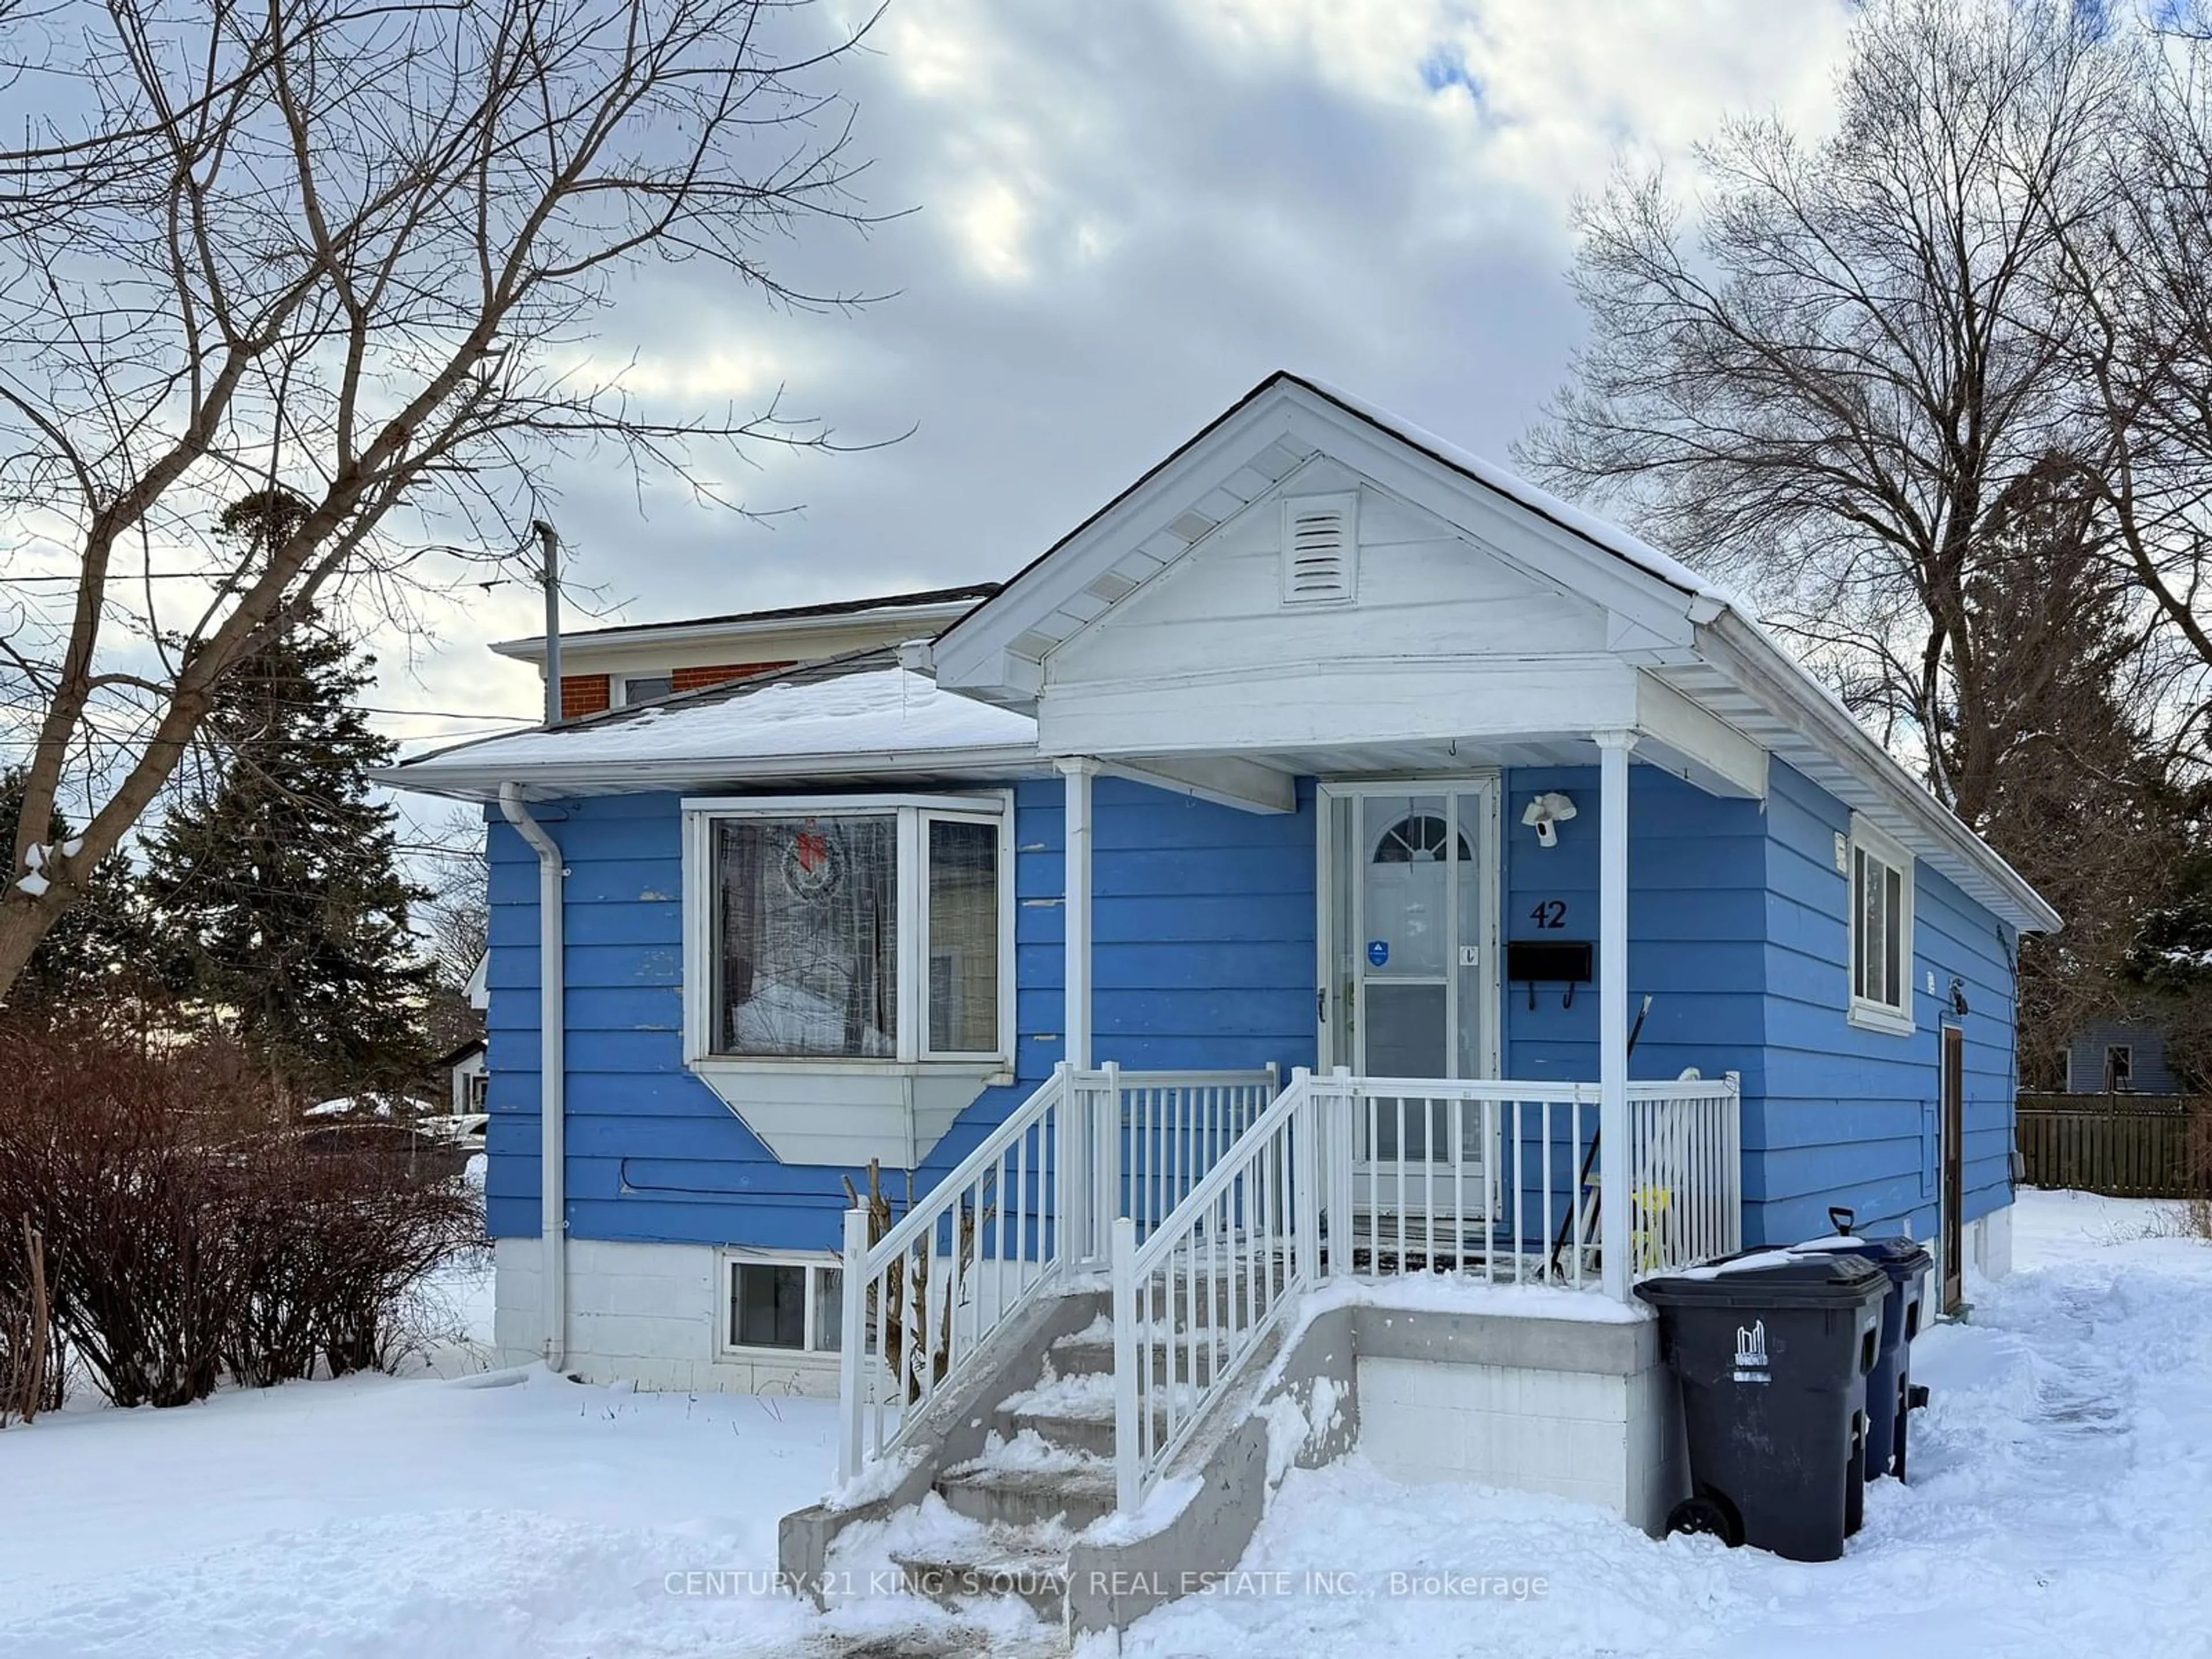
588, 694
690, 679
583, 693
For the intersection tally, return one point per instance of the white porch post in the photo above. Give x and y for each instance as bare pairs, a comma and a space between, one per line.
1614, 1162
1090, 1115
1076, 912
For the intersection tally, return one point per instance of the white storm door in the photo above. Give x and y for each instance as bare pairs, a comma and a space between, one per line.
1411, 952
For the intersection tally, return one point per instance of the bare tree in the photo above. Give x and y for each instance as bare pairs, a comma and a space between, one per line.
455, 920
2138, 278
356, 250
1827, 396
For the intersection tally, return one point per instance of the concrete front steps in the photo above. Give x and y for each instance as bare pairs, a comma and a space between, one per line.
1008, 1471
1047, 1474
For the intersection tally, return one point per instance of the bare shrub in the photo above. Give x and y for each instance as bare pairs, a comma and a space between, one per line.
335, 1240
192, 1229
29, 1373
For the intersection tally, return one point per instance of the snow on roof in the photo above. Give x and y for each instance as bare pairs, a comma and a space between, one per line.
866, 711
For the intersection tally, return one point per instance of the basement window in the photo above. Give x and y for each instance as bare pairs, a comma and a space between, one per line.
1881, 931
794, 1306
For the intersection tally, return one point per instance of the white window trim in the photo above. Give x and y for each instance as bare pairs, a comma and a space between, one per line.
916, 812
619, 687
726, 1263
1894, 1019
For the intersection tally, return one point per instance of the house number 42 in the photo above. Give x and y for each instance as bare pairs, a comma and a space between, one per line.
1549, 912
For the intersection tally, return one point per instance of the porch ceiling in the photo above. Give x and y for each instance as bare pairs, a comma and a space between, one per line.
1362, 760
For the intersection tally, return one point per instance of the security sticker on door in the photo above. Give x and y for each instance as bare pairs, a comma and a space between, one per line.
1751, 1354
1378, 952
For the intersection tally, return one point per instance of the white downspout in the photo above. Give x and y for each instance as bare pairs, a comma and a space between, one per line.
552, 1073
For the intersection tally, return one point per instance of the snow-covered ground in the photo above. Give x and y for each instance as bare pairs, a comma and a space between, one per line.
2062, 1504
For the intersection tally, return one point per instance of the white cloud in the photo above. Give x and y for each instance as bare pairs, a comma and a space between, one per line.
1128, 213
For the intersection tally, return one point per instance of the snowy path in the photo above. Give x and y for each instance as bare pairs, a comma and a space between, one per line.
2061, 1505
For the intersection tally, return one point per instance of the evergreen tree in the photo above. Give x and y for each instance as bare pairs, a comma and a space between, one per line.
2075, 791
277, 895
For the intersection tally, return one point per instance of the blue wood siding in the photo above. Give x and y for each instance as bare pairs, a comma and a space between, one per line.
1849, 1115
1204, 957
1694, 916
1203, 925
1694, 926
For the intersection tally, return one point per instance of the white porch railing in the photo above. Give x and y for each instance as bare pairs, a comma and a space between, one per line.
1384, 1176
1215, 1200
1191, 1304
1685, 1173
1174, 1128
1035, 1200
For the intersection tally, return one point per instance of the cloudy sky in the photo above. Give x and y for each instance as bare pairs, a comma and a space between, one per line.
1124, 214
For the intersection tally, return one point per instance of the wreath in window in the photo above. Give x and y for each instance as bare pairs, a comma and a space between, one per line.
1418, 838
812, 865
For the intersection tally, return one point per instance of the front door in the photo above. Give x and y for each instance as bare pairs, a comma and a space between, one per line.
1410, 960
1953, 1115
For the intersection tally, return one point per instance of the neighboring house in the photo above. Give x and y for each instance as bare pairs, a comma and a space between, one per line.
617, 667
2121, 1056
469, 1078
1324, 759
467, 1071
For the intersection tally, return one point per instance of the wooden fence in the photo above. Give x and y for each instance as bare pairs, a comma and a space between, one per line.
2123, 1145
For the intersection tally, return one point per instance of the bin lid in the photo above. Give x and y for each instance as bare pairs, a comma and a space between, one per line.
1900, 1258
1771, 1278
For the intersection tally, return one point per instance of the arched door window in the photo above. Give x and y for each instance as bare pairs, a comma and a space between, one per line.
1418, 838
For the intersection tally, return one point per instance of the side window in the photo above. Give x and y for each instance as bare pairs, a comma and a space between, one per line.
1881, 931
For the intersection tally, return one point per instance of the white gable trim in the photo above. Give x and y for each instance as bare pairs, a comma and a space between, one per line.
1695, 743
997, 651
1306, 704
981, 653
1659, 615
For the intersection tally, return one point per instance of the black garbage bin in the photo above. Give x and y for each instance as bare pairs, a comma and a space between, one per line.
1889, 1384
1771, 1349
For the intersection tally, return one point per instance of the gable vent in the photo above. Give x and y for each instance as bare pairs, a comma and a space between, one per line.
1321, 546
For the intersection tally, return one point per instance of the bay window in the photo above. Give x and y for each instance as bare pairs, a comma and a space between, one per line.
850, 930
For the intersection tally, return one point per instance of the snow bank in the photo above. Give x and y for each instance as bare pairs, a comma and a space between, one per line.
370, 1517
2060, 1506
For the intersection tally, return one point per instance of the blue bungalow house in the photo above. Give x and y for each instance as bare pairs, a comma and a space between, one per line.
1334, 845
